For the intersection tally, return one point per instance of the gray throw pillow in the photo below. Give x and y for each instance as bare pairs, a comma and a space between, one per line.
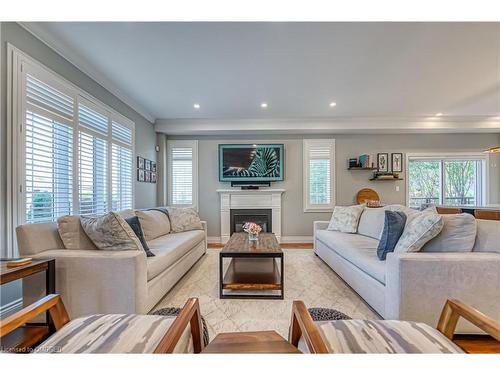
458, 235
110, 232
394, 226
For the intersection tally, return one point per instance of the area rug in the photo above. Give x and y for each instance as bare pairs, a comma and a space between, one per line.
307, 278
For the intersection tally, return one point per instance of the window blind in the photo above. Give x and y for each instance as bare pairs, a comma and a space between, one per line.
121, 165
182, 175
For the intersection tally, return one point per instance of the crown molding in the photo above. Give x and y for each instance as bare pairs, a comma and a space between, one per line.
340, 125
84, 67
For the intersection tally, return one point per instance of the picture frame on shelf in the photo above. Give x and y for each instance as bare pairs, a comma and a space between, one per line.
140, 162
383, 162
140, 175
397, 162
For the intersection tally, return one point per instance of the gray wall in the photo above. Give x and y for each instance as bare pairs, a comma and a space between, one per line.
298, 223
145, 193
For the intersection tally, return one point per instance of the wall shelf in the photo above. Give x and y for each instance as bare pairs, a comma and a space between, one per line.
386, 179
362, 169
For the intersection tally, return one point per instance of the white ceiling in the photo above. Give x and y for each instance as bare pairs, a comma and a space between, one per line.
382, 70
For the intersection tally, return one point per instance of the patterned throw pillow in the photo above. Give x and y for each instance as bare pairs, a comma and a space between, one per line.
183, 219
345, 218
420, 230
110, 232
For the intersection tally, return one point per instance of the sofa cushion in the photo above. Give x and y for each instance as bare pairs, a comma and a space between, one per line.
384, 336
487, 240
110, 232
183, 219
458, 235
420, 230
359, 250
154, 223
371, 222
394, 225
346, 218
72, 234
170, 248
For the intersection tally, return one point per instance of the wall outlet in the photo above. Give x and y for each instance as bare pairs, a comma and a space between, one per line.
397, 188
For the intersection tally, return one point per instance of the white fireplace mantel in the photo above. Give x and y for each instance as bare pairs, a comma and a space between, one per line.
249, 199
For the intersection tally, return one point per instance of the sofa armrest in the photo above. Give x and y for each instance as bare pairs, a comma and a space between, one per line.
418, 285
95, 281
318, 225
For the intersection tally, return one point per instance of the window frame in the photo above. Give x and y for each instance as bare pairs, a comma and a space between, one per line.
443, 156
193, 144
306, 145
18, 65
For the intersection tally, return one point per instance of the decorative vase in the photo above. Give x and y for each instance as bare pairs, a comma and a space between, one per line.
253, 236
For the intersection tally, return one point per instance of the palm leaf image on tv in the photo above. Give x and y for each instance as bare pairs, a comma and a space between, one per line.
265, 163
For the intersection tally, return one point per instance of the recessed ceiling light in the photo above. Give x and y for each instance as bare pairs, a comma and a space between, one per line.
263, 105
196, 106
439, 114
333, 104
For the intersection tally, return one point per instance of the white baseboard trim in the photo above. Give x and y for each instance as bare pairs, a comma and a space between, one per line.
11, 307
286, 239
296, 239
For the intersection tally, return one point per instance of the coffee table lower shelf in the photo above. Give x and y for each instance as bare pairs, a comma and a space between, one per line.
252, 278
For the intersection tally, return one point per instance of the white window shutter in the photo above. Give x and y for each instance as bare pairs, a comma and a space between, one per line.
183, 173
121, 166
319, 166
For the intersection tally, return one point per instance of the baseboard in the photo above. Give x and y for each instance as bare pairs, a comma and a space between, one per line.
286, 239
11, 307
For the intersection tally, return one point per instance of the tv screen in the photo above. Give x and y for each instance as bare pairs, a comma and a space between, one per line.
263, 162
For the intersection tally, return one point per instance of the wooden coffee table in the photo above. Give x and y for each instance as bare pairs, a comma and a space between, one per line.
253, 271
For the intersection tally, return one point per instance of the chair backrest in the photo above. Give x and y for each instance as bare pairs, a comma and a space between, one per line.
487, 214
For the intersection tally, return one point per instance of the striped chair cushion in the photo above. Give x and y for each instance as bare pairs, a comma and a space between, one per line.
113, 333
384, 336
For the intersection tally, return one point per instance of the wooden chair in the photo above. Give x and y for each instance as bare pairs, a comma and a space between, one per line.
302, 326
190, 314
448, 210
487, 214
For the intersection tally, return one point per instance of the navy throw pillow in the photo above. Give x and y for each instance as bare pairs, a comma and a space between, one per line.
394, 226
135, 224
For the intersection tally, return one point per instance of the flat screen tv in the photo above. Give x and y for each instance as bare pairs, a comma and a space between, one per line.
252, 162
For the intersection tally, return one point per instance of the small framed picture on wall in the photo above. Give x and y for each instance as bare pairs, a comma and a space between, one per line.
140, 162
140, 175
383, 162
147, 164
153, 177
147, 176
153, 166
397, 162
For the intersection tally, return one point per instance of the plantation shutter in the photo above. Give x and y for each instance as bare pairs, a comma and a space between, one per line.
48, 146
92, 160
182, 173
121, 165
318, 167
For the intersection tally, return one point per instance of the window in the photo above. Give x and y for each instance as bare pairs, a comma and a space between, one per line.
182, 173
319, 162
452, 180
74, 154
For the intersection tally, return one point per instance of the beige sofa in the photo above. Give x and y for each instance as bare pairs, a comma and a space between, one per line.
97, 281
414, 286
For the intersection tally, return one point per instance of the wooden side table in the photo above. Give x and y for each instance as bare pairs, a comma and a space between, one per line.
30, 334
268, 342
